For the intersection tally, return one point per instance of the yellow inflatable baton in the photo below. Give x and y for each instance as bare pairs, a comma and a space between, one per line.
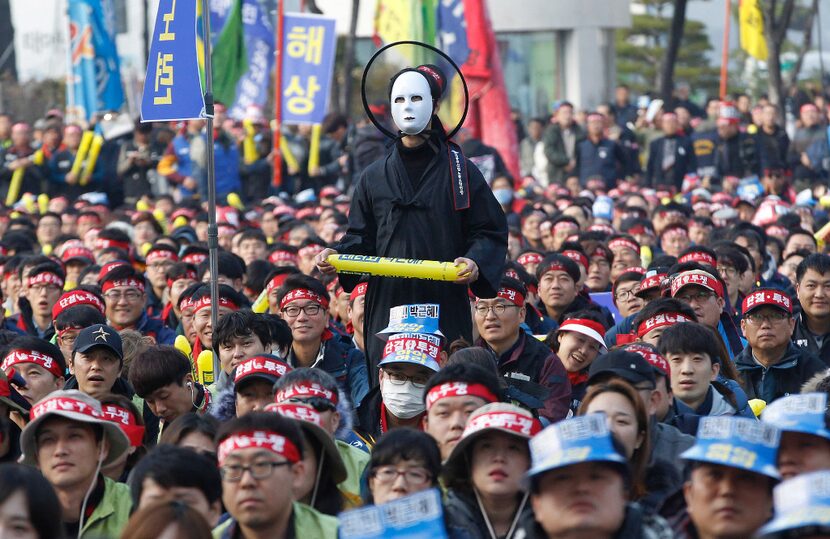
43, 203
14, 186
261, 304
94, 152
821, 236
205, 365
83, 149
395, 267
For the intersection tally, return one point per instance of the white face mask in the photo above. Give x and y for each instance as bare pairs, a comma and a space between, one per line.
404, 401
411, 103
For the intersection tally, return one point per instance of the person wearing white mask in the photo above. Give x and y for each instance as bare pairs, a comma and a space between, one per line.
423, 200
398, 401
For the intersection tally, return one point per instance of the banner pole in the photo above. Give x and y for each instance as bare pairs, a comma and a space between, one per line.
277, 176
213, 230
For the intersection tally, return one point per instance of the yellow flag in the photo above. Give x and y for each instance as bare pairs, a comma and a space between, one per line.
752, 29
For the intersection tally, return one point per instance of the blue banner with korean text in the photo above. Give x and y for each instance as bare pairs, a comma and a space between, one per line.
252, 88
308, 60
96, 74
172, 87
417, 516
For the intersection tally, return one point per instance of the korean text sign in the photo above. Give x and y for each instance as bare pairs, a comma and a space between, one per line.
309, 44
173, 87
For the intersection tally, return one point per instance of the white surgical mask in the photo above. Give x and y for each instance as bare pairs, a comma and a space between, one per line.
411, 103
404, 401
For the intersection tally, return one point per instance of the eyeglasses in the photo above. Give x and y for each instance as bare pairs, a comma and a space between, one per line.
498, 309
129, 295
413, 476
49, 288
699, 297
312, 309
756, 319
259, 470
626, 294
727, 271
398, 378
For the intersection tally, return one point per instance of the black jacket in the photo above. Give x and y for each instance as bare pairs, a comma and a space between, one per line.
804, 338
784, 378
637, 525
684, 162
773, 148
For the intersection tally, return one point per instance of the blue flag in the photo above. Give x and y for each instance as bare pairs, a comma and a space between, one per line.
96, 75
172, 87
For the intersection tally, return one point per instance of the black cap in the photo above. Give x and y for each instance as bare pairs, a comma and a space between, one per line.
629, 366
98, 335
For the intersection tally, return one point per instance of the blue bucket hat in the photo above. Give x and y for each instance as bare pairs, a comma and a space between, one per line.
573, 441
799, 413
737, 442
801, 504
414, 318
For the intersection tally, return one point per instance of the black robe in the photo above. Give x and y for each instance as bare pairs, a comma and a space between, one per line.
388, 218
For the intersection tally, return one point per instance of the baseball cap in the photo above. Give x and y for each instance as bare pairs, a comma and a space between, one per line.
76, 406
753, 445
573, 441
98, 335
420, 349
629, 366
804, 413
767, 297
801, 505
589, 328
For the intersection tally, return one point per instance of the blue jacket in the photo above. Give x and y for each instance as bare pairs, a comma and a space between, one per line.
347, 365
786, 377
605, 159
226, 161
154, 327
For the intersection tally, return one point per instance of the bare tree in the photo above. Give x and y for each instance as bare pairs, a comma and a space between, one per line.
777, 16
678, 23
806, 42
348, 61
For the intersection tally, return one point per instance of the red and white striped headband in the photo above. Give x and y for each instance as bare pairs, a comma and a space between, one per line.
518, 424
131, 282
698, 256
204, 303
258, 439
623, 243
77, 297
305, 390
16, 357
660, 320
45, 277
459, 389
303, 293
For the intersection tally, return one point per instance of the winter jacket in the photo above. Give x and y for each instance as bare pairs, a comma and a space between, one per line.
786, 377
773, 148
355, 461
155, 328
555, 151
636, 525
534, 370
684, 162
368, 427
667, 443
307, 523
462, 513
604, 159
110, 516
724, 397
346, 364
806, 339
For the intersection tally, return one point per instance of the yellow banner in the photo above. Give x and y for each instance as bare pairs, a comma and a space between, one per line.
752, 29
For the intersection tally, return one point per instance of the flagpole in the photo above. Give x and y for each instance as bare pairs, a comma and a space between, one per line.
277, 176
725, 53
213, 231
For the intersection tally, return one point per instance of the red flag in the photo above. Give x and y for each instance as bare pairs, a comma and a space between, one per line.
485, 79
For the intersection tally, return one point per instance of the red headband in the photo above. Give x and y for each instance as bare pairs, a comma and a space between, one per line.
698, 256
16, 357
521, 425
276, 282
459, 389
419, 342
660, 320
303, 293
310, 250
46, 277
359, 290
529, 258
303, 390
698, 278
652, 357
269, 441
623, 243
63, 404
652, 282
103, 243
282, 256
298, 412
194, 258
77, 297
204, 303
190, 275
260, 365
130, 281
553, 265
513, 296
577, 257
124, 418
565, 225
78, 252
675, 231
161, 254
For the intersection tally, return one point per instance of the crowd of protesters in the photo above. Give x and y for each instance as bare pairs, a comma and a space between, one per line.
637, 346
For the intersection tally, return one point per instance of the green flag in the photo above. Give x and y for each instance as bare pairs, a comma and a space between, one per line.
229, 57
